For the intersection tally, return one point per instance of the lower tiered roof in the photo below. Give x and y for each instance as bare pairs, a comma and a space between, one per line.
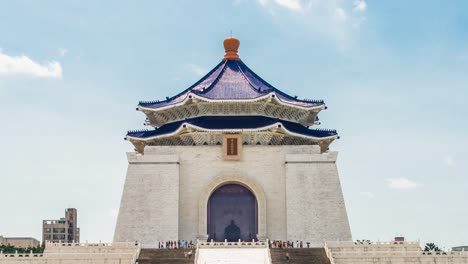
256, 130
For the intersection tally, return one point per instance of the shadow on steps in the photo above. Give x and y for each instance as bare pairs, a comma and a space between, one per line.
169, 256
299, 256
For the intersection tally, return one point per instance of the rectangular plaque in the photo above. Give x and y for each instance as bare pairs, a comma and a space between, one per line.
232, 147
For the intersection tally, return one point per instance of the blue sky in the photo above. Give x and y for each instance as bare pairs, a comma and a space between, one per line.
394, 75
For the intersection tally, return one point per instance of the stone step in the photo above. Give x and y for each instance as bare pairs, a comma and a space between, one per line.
233, 255
170, 256
299, 256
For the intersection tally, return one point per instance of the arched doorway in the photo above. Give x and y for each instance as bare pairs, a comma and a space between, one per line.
232, 214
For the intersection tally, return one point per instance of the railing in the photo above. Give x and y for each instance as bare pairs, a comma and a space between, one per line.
21, 255
371, 243
225, 244
79, 251
268, 256
329, 253
137, 253
114, 245
353, 251
397, 253
72, 255
196, 255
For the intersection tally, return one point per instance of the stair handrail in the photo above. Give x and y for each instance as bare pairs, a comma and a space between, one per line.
196, 253
268, 259
328, 252
137, 253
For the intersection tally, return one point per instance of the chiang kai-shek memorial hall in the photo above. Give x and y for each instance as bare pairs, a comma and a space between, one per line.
232, 157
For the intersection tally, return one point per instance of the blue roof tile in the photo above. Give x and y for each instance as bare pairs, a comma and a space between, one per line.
232, 122
231, 80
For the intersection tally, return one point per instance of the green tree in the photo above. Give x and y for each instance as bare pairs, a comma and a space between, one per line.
8, 249
431, 248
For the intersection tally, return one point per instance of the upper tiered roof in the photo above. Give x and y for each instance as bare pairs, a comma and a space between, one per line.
231, 81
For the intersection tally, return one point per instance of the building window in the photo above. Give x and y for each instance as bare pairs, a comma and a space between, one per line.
47, 230
59, 230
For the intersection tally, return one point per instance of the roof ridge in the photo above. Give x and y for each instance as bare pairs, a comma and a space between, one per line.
276, 90
206, 89
245, 77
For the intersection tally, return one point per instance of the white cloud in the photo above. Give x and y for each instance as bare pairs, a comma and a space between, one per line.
196, 69
63, 51
23, 65
402, 184
263, 2
360, 5
368, 195
336, 19
293, 5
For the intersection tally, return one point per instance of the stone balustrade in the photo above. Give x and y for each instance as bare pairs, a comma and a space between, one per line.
251, 244
118, 247
77, 253
20, 255
394, 252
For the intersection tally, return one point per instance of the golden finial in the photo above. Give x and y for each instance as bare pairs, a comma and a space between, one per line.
231, 45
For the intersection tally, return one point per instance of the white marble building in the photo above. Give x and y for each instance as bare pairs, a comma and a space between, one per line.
232, 157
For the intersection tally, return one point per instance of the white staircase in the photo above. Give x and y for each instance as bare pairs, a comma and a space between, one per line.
233, 253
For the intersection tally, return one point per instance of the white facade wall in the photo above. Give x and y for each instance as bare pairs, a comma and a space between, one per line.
78, 253
314, 200
149, 207
165, 187
390, 253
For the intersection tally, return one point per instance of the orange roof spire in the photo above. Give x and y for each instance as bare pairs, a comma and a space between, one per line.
231, 45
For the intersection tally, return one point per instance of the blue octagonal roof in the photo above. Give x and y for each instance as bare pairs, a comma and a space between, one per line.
231, 80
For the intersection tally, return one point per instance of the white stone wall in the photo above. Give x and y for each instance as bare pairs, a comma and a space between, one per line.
314, 200
390, 253
76, 253
149, 202
149, 209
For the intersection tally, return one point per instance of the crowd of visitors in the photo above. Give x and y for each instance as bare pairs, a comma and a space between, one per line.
288, 244
176, 244
271, 243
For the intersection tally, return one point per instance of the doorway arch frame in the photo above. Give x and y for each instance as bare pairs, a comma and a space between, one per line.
231, 179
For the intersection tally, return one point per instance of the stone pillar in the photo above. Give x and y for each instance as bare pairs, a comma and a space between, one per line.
149, 209
315, 208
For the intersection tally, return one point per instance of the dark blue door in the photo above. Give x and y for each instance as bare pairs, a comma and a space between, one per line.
232, 214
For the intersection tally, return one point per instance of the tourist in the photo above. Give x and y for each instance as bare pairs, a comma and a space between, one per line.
287, 256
